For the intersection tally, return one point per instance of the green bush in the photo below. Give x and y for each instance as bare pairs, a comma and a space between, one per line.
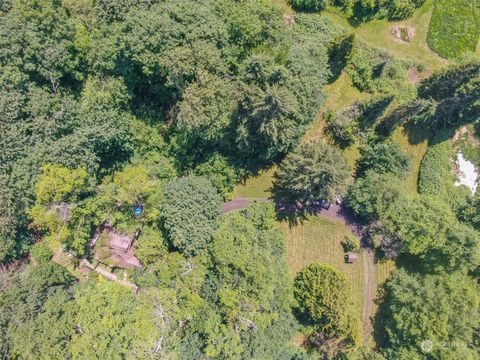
350, 244
436, 177
41, 252
384, 157
454, 28
309, 5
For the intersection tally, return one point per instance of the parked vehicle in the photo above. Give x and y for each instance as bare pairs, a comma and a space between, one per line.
324, 204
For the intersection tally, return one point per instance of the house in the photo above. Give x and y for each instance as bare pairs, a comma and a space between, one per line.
351, 257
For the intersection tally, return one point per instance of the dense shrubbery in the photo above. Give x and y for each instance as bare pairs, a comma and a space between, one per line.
363, 10
97, 87
384, 157
373, 194
324, 297
314, 171
375, 71
454, 28
356, 122
443, 309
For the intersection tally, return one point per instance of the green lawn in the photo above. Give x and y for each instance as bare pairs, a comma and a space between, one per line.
378, 33
257, 186
415, 144
318, 240
454, 28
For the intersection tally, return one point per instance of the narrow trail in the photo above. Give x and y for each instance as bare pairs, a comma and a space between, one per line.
369, 290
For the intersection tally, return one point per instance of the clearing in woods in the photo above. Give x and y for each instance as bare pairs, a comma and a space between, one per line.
317, 239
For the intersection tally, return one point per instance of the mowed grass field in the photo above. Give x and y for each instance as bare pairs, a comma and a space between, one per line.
454, 28
318, 240
257, 186
378, 33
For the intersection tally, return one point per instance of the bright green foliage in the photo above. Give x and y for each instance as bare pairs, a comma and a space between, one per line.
190, 209
374, 70
350, 244
247, 293
436, 175
455, 28
59, 184
59, 211
314, 171
428, 228
138, 184
41, 252
384, 157
442, 309
222, 175
112, 323
47, 336
324, 296
150, 247
371, 195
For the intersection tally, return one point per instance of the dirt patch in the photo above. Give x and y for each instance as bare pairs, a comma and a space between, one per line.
369, 292
289, 19
403, 33
413, 76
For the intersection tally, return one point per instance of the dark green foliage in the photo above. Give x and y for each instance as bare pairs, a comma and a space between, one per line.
339, 51
429, 230
447, 307
384, 157
324, 297
309, 5
447, 98
371, 195
359, 11
314, 171
190, 209
357, 121
89, 84
41, 252
23, 300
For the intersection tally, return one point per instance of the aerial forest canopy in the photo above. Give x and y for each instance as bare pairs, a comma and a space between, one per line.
131, 132
218, 86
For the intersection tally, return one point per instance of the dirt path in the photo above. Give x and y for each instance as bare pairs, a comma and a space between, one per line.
369, 291
370, 285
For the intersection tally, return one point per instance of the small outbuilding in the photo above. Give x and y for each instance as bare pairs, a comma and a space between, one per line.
351, 257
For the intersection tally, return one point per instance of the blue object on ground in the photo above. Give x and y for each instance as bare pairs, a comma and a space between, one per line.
138, 210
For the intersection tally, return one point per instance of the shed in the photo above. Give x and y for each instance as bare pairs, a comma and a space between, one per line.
351, 257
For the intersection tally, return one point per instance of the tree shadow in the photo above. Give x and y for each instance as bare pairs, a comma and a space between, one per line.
339, 51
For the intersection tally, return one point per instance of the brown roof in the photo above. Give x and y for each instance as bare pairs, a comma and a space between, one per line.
351, 257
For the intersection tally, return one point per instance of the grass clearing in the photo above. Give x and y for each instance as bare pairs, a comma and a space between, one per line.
415, 144
318, 240
378, 33
257, 186
454, 28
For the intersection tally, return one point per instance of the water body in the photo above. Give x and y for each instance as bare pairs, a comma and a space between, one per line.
467, 175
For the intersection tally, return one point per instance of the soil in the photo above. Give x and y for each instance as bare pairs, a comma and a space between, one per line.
403, 33
413, 76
